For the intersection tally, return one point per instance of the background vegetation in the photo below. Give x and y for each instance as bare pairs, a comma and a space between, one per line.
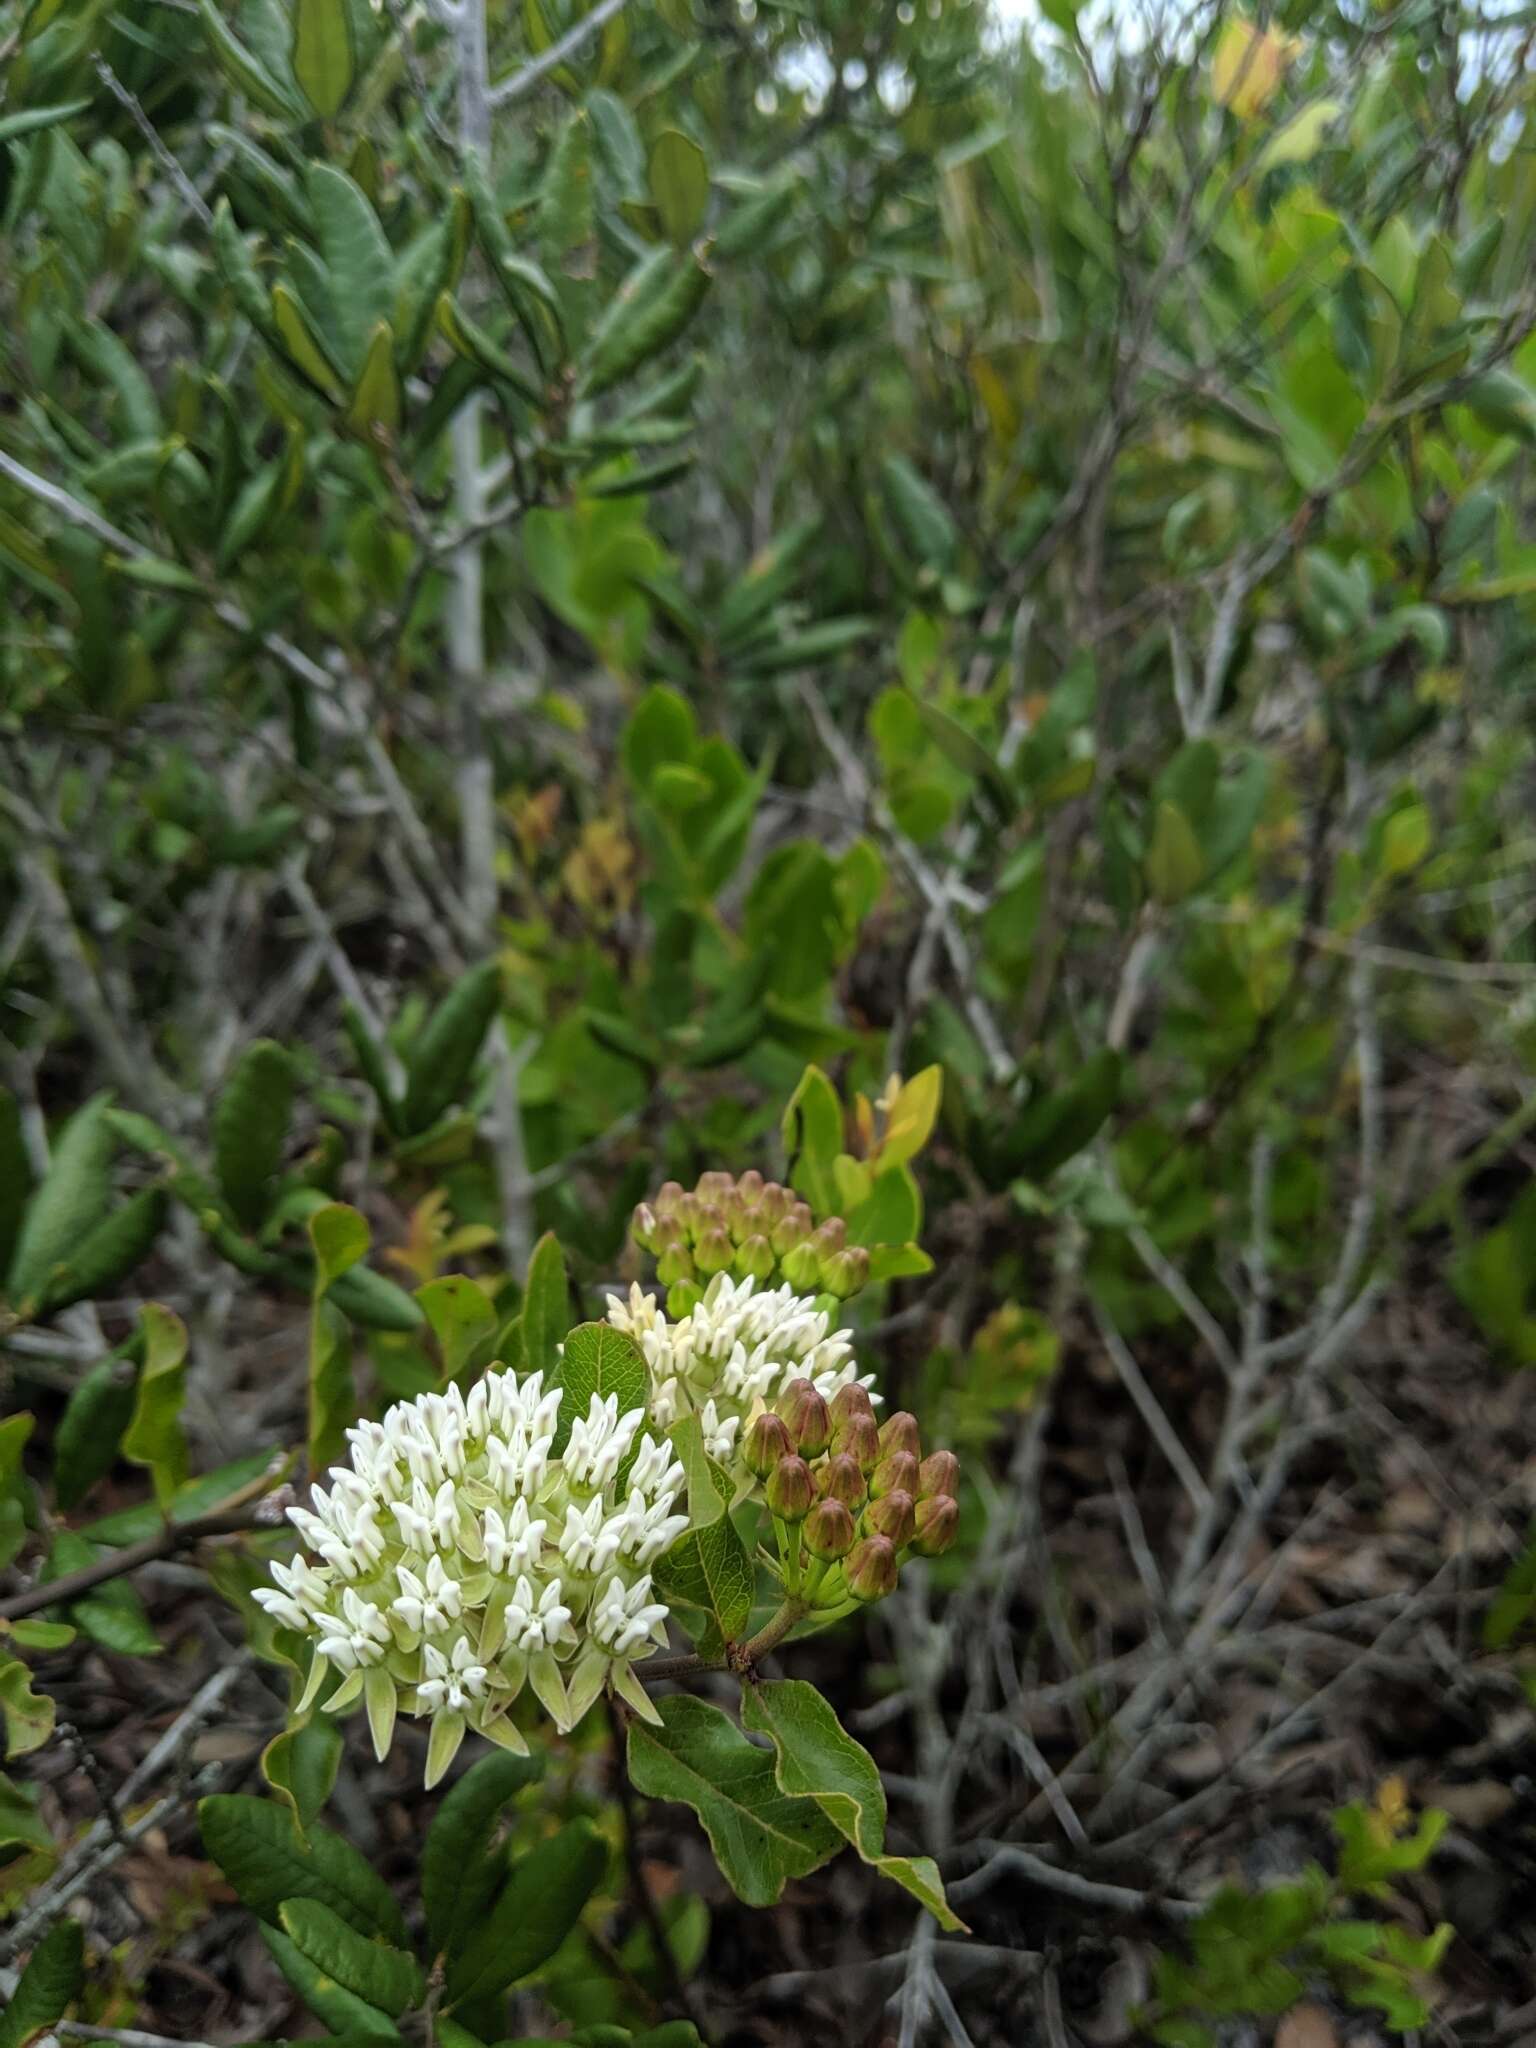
560, 565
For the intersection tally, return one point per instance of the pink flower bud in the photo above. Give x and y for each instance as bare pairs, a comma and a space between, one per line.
871, 1568
851, 1400
938, 1521
643, 1226
806, 1417
892, 1515
897, 1472
713, 1251
791, 1490
829, 1532
938, 1473
840, 1479
767, 1441
859, 1439
899, 1432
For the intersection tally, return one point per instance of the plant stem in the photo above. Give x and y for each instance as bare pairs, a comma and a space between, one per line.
741, 1658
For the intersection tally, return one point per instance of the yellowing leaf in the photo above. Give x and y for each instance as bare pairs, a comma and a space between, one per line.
1249, 66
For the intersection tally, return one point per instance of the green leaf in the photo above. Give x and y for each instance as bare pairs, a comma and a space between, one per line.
679, 181
28, 1715
291, 324
459, 1872
539, 1905
90, 1431
1056, 1126
15, 1176
340, 1236
812, 1130
377, 1972
322, 56
546, 1307
154, 1435
332, 1405
71, 1200
709, 1569
762, 1837
245, 71
348, 2016
706, 1493
817, 1759
661, 731
563, 213
255, 1844
28, 120
300, 1764
461, 1316
359, 268
373, 1301
600, 1360
922, 518
375, 408
444, 1052
109, 1252
250, 1128
54, 1976
650, 309
1175, 866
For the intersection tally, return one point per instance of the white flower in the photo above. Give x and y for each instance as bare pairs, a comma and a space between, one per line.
456, 1559
513, 1542
426, 1605
451, 1682
622, 1620
538, 1627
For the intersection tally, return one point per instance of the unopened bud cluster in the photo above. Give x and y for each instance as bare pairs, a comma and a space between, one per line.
851, 1498
459, 1557
748, 1227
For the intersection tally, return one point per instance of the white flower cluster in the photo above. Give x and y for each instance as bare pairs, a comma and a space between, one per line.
459, 1558
733, 1354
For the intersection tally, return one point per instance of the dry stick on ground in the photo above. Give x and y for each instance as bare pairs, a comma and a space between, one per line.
96, 1848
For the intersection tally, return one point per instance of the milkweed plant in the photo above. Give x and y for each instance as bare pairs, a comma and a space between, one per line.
703, 1475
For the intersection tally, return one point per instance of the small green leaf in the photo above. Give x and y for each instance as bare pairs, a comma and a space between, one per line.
350, 2018
71, 1200
817, 1759
679, 181
812, 1130
377, 1972
359, 266
245, 71
600, 1360
28, 1715
108, 1252
28, 120
154, 1435
300, 1764
709, 1569
443, 1055
15, 1176
539, 1905
708, 1488
53, 1978
250, 1128
459, 1872
322, 56
255, 1844
1175, 866
546, 1306
461, 1316
375, 407
761, 1836
340, 1236
650, 309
